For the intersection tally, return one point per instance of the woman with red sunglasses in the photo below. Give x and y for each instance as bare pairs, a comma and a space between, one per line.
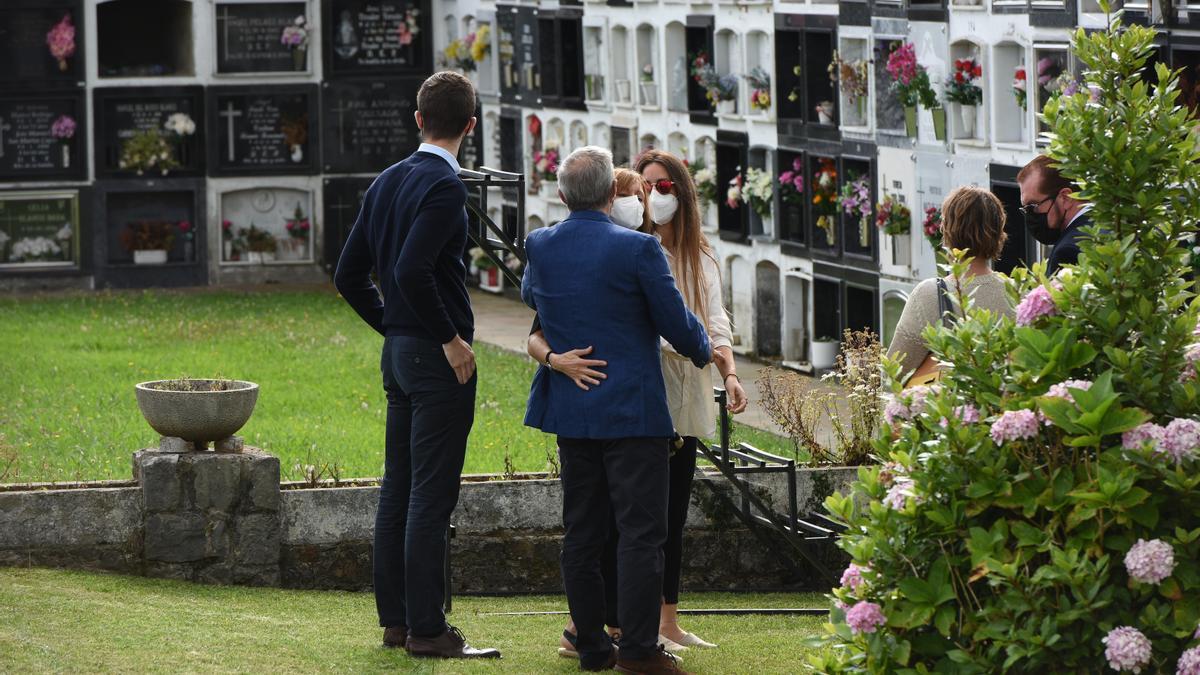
675, 216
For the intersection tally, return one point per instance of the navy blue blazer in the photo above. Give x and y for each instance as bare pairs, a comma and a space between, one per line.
1066, 249
595, 283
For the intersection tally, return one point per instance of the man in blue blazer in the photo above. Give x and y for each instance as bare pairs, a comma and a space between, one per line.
593, 282
411, 232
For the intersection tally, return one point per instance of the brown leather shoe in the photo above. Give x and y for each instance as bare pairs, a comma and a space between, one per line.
395, 636
449, 645
659, 662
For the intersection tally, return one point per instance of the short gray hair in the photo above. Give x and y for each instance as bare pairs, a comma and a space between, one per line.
585, 178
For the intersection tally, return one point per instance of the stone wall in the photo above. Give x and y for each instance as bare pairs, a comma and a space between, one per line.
224, 518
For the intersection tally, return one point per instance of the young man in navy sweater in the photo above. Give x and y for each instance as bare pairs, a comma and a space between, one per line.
411, 233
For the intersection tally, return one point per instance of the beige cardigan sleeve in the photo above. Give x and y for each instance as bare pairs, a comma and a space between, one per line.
720, 333
920, 311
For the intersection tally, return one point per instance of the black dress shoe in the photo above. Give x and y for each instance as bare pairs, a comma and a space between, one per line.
606, 664
395, 636
449, 645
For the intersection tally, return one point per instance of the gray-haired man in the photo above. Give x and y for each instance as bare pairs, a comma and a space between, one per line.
596, 283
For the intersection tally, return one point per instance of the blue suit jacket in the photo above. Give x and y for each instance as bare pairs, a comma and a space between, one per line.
595, 283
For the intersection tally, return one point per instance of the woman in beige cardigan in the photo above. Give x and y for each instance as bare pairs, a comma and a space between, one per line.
672, 214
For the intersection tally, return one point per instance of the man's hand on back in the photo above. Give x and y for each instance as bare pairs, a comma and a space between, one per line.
461, 358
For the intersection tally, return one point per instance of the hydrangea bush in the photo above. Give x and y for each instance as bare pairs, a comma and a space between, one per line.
1039, 510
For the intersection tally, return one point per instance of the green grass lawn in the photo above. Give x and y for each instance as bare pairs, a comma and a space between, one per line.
67, 408
66, 621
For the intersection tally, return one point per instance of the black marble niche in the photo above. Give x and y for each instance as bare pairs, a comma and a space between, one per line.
377, 37
623, 145
862, 302
26, 61
1054, 14
248, 38
368, 125
343, 198
145, 38
520, 58
119, 203
54, 215
261, 130
791, 207
122, 112
733, 224
889, 114
34, 144
803, 52
698, 39
858, 160
511, 140
470, 153
826, 305
561, 59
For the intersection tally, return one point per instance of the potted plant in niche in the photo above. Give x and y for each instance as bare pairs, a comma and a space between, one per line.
791, 184
895, 219
147, 150
295, 246
260, 245
490, 278
910, 80
961, 89
228, 252
724, 94
148, 240
933, 227
545, 164
295, 37
63, 130
825, 200
648, 86
706, 186
856, 203
760, 94
853, 78
823, 350
757, 190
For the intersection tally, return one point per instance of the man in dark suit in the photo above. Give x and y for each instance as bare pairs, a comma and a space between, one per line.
593, 282
411, 233
1052, 215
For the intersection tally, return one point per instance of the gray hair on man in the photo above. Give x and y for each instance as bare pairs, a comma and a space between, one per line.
585, 179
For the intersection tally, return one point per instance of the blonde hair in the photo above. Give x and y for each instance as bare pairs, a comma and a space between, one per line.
973, 219
687, 243
630, 182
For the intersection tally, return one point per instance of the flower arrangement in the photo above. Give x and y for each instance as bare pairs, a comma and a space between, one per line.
148, 235
700, 68
791, 183
910, 80
147, 151
932, 226
180, 124
480, 260
1035, 511
480, 43
295, 35
298, 226
716, 87
1065, 85
1048, 68
706, 182
61, 41
852, 77
546, 164
855, 201
257, 240
63, 128
33, 249
1019, 88
760, 83
409, 28
458, 55
757, 189
961, 87
295, 130
824, 188
648, 72
892, 216
226, 230
733, 194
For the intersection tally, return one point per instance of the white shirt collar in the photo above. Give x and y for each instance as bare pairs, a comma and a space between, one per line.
1082, 210
440, 152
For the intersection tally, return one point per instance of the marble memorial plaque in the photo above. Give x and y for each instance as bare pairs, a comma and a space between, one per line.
249, 38
43, 136
368, 125
263, 130
377, 36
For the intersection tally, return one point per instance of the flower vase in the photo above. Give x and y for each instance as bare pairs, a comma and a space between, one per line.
254, 257
765, 112
825, 112
491, 280
967, 112
939, 123
66, 155
910, 121
227, 250
823, 354
189, 250
297, 154
300, 58
860, 104
901, 250
864, 231
623, 91
548, 190
727, 107
150, 257
650, 94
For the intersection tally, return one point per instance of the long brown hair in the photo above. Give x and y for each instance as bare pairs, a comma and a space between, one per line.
688, 242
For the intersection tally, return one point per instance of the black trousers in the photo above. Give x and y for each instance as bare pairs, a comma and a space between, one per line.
429, 417
626, 480
679, 497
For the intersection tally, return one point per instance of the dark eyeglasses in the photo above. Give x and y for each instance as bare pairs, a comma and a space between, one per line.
663, 186
1031, 208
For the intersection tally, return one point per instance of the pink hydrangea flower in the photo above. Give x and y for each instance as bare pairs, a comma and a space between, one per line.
1127, 649
1014, 425
899, 493
1036, 304
889, 472
1149, 562
965, 414
1061, 390
865, 617
1135, 437
895, 410
852, 577
1180, 438
1196, 635
1189, 662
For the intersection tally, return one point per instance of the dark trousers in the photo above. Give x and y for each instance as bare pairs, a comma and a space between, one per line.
679, 497
625, 479
429, 416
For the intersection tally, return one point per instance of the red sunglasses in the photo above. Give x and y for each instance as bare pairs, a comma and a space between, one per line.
663, 186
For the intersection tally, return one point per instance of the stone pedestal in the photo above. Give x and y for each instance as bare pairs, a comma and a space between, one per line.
211, 516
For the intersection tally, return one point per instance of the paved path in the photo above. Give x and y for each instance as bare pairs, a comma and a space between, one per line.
505, 323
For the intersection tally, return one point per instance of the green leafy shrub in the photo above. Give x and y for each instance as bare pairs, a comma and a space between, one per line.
1039, 510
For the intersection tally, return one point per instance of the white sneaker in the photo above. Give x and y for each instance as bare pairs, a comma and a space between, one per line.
671, 646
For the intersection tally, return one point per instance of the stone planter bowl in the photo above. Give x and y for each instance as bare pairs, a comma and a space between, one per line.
200, 411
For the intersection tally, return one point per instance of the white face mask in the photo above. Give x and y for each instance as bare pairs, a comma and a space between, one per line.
662, 207
627, 212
